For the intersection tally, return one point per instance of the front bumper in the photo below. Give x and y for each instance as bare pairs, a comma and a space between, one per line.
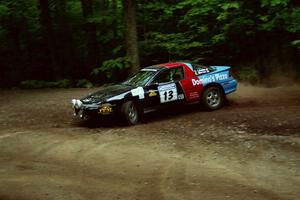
85, 113
92, 110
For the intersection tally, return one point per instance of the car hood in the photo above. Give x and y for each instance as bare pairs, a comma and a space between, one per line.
106, 92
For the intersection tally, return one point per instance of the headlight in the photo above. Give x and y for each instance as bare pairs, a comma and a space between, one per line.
76, 103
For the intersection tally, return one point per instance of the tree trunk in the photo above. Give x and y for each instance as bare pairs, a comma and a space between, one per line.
63, 33
48, 34
132, 50
91, 31
114, 8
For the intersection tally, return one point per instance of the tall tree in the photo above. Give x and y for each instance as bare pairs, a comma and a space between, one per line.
91, 32
114, 7
131, 37
48, 34
63, 33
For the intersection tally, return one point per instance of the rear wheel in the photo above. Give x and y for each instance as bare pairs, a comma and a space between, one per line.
130, 113
213, 98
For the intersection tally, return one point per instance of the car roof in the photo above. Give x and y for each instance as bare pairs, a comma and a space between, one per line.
162, 66
154, 68
173, 64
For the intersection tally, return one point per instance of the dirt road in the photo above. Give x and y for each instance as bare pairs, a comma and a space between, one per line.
248, 150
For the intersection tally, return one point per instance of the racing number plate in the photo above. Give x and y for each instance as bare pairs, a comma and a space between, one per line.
168, 93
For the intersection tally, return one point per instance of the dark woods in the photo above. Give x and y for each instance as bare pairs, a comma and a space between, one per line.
105, 40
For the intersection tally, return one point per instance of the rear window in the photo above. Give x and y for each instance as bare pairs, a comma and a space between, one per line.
201, 69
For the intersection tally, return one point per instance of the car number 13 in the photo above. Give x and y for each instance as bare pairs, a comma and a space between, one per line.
168, 93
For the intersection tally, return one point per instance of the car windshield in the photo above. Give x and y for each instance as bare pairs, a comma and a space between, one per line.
140, 78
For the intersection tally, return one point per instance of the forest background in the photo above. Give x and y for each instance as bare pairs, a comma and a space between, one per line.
67, 43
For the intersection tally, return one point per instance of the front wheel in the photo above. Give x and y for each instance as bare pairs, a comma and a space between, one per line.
213, 98
130, 113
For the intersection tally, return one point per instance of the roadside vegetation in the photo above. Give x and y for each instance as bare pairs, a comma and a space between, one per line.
81, 43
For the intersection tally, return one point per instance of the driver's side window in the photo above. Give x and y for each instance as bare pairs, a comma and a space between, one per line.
174, 74
164, 77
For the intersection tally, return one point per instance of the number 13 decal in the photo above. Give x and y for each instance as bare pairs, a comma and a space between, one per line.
168, 93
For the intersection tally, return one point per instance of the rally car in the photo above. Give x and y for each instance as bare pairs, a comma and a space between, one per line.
156, 86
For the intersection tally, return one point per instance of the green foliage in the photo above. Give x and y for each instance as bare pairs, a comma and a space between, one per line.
174, 43
84, 83
248, 75
293, 20
39, 84
296, 43
207, 31
274, 3
111, 66
4, 11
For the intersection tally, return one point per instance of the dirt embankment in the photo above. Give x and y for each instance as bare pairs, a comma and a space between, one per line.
247, 150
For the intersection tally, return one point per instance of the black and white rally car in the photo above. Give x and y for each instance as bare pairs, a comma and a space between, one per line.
156, 86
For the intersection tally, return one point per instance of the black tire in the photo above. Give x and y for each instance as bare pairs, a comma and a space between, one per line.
213, 98
130, 113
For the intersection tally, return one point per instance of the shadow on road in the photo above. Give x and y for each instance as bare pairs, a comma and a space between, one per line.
162, 114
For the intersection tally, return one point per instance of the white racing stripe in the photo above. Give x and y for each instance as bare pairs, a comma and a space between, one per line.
139, 91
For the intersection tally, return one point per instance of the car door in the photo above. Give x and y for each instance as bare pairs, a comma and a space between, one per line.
191, 85
165, 88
